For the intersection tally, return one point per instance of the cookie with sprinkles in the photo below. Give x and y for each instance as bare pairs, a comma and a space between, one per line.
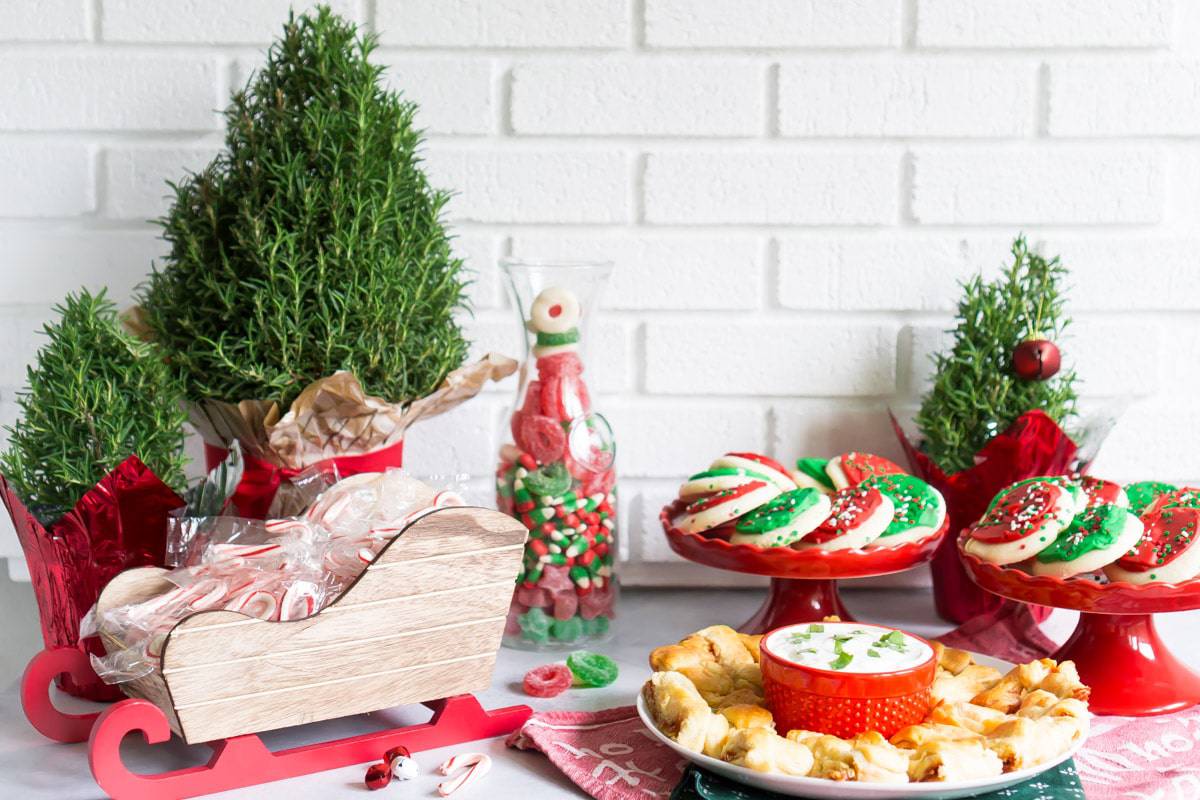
1022, 521
1103, 493
785, 520
1094, 539
852, 468
776, 473
919, 511
725, 506
1166, 552
1078, 495
1143, 493
858, 516
810, 473
718, 480
1186, 496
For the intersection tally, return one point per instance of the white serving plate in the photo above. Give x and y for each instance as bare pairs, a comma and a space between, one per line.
823, 789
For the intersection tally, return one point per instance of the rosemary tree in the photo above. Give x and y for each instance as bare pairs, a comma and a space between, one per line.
313, 241
976, 394
95, 396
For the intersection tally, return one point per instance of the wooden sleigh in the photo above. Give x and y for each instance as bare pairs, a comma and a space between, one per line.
422, 624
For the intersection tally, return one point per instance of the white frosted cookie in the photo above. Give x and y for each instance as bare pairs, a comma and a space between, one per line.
1094, 539
919, 512
859, 515
756, 462
725, 506
1166, 551
852, 468
718, 480
1022, 521
784, 520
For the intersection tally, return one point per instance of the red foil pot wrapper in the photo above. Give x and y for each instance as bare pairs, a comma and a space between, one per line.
119, 524
845, 704
1032, 445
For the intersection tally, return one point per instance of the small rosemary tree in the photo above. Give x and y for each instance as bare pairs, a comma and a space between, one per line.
313, 242
95, 396
976, 393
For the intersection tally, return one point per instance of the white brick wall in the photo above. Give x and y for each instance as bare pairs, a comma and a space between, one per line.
790, 190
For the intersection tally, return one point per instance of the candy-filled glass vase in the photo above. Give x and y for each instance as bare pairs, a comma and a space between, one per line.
556, 470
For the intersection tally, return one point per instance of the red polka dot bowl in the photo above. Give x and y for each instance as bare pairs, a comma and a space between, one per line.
841, 702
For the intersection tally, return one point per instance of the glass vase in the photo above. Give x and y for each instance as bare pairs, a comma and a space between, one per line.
556, 470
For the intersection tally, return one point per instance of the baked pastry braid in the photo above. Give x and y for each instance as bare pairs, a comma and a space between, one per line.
954, 760
974, 718
1007, 693
952, 660
751, 643
763, 750
748, 716
1064, 682
682, 714
968, 683
832, 756
915, 736
1023, 742
719, 662
868, 757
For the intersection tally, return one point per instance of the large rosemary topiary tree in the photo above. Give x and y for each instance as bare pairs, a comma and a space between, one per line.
976, 391
313, 242
95, 396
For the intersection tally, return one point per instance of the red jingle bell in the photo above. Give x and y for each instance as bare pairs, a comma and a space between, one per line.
1036, 359
378, 776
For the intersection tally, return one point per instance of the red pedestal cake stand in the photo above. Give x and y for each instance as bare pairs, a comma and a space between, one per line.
1115, 647
803, 582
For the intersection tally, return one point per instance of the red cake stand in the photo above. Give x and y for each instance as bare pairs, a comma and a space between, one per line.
1115, 647
804, 583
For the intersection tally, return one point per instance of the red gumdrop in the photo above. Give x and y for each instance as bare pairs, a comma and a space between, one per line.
534, 598
542, 438
593, 604
565, 604
556, 579
512, 625
565, 363
548, 680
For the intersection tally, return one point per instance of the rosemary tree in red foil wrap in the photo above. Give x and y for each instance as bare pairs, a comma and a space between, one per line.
84, 506
984, 426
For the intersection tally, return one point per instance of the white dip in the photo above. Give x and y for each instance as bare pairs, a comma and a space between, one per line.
848, 647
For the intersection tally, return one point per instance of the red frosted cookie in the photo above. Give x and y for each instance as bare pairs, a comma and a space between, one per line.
858, 517
725, 506
852, 468
1103, 493
1166, 552
1022, 521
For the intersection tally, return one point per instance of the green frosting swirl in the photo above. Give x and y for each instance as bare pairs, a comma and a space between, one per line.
1143, 493
1095, 529
916, 502
779, 512
815, 469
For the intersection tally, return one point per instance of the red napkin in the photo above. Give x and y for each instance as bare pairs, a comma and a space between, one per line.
611, 756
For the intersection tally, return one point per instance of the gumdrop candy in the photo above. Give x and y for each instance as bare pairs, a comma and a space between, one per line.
595, 603
534, 597
565, 605
548, 680
535, 621
597, 626
556, 579
567, 630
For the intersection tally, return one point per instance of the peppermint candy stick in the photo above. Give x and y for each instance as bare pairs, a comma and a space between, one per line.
473, 765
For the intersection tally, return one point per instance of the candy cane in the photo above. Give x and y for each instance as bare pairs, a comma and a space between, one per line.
476, 766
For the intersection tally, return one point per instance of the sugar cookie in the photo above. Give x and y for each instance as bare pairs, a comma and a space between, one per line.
1022, 521
1143, 493
785, 520
851, 469
919, 511
858, 517
1101, 492
755, 462
1095, 538
718, 480
810, 473
725, 506
1166, 551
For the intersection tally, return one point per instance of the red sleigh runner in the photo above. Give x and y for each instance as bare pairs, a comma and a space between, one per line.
225, 677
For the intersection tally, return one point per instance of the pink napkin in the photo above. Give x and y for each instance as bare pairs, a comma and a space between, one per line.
611, 756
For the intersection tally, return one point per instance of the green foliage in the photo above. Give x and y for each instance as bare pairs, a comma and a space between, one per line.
95, 397
975, 392
313, 242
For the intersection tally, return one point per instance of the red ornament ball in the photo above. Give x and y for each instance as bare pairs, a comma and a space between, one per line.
1036, 359
378, 776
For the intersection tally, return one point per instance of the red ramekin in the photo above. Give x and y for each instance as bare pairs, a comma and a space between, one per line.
845, 703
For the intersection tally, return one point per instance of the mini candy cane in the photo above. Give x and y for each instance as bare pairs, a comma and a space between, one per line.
473, 765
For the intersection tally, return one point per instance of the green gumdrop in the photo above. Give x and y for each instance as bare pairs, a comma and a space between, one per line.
567, 630
540, 636
597, 626
534, 621
592, 669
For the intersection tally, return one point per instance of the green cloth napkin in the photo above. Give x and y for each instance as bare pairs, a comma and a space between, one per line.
1060, 783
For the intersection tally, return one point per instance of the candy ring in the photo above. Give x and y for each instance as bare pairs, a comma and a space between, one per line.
1095, 538
554, 310
473, 765
548, 680
592, 670
543, 438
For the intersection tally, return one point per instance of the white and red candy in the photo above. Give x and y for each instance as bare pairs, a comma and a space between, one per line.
465, 769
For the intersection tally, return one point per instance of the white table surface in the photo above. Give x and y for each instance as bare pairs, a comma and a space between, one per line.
32, 767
